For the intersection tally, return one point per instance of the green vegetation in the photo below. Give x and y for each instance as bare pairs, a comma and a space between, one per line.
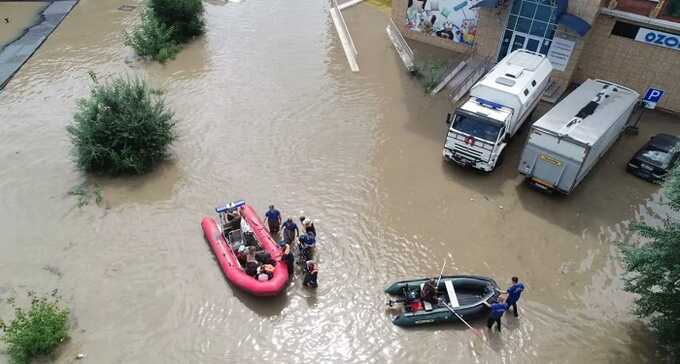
84, 194
653, 270
166, 24
123, 128
36, 331
153, 39
430, 73
673, 8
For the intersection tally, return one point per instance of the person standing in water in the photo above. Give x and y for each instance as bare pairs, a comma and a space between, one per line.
497, 310
273, 219
290, 231
514, 292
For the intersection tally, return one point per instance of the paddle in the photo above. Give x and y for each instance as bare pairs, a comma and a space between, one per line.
440, 274
474, 331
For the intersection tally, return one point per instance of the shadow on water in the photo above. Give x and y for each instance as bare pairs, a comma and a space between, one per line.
262, 306
158, 185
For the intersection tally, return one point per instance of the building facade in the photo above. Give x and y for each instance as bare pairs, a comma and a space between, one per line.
615, 41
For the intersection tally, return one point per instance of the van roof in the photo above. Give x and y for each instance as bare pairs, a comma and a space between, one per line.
514, 74
593, 126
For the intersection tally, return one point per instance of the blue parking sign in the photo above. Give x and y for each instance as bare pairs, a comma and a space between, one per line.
652, 97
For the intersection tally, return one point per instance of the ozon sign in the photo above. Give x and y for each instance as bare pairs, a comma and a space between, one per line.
658, 38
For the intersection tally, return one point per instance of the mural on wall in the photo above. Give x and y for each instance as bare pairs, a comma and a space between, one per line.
448, 19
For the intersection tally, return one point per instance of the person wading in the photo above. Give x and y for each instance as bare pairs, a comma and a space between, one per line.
514, 292
290, 231
273, 218
497, 310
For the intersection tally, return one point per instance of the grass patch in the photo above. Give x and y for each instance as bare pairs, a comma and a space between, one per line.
430, 73
35, 331
122, 128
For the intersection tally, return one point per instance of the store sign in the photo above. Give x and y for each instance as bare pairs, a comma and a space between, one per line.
658, 38
560, 53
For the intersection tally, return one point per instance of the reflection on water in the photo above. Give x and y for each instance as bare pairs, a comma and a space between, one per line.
269, 111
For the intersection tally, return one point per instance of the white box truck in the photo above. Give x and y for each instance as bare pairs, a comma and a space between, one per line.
495, 109
566, 142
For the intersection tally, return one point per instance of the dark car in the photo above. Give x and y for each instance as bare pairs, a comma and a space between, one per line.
653, 161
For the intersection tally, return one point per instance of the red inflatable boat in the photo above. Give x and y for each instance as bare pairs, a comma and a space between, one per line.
226, 257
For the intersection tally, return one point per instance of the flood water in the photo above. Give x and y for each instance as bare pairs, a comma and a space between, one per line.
16, 16
269, 111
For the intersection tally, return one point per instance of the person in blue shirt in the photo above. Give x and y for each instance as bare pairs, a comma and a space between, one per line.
290, 231
273, 218
514, 292
497, 310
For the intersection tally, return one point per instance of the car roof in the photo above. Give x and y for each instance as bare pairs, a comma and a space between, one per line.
664, 141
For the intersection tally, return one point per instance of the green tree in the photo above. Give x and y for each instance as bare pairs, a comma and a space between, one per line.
36, 331
124, 127
185, 16
673, 8
653, 270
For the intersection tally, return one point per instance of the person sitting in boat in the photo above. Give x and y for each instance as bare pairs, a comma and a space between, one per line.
306, 243
308, 225
241, 254
265, 272
290, 231
252, 264
429, 292
311, 274
233, 221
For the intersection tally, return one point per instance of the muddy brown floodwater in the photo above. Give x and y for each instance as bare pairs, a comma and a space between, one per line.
270, 112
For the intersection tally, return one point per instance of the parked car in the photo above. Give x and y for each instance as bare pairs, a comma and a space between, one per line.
658, 156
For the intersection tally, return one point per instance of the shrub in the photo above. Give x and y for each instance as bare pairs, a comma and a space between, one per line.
674, 8
153, 39
653, 270
36, 331
124, 127
185, 16
430, 73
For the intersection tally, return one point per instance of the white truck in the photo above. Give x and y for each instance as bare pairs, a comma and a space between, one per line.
566, 142
495, 109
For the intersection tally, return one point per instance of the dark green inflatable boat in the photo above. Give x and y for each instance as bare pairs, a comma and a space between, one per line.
463, 294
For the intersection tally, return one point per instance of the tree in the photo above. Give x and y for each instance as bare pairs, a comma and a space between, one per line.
185, 16
653, 270
124, 127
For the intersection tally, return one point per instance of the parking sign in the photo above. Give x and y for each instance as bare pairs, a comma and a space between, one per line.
652, 97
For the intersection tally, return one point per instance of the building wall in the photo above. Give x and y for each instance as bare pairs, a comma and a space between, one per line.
628, 62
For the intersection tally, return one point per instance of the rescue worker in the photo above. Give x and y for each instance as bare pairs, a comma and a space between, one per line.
308, 225
311, 274
290, 231
273, 219
497, 310
288, 258
514, 292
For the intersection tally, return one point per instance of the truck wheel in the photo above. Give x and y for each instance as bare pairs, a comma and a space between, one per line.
500, 160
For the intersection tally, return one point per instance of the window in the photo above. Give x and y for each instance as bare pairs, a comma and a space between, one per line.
479, 128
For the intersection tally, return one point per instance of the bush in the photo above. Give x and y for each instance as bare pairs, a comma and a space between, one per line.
185, 16
673, 8
654, 270
124, 127
430, 73
153, 39
37, 331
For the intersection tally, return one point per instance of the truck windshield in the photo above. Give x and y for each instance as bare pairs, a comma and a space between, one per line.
479, 128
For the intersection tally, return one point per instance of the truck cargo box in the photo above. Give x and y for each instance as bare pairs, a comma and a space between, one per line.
568, 140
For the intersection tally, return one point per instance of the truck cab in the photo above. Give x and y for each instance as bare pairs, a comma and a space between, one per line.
495, 110
477, 128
